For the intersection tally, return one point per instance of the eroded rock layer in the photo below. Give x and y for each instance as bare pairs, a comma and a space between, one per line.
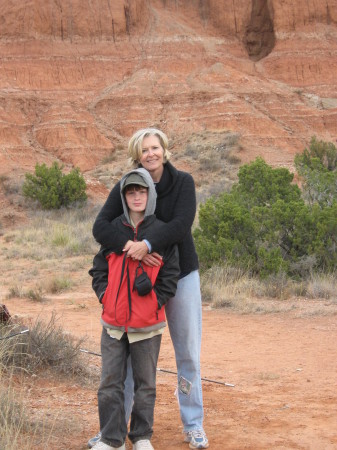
78, 77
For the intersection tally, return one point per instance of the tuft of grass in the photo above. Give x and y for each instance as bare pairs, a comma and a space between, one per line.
46, 346
277, 286
20, 427
35, 293
233, 158
58, 284
238, 290
14, 420
15, 291
9, 186
268, 376
16, 428
210, 163
111, 157
227, 287
322, 286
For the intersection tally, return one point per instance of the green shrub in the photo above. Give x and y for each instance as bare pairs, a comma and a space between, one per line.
324, 241
261, 185
52, 189
317, 167
225, 233
264, 225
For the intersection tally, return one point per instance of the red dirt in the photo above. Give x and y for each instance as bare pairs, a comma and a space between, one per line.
283, 366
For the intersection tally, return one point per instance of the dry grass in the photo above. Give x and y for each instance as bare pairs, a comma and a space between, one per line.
322, 286
58, 284
237, 290
49, 255
45, 347
38, 292
214, 159
35, 293
53, 234
16, 429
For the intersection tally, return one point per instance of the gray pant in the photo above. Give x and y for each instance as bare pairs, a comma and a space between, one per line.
144, 356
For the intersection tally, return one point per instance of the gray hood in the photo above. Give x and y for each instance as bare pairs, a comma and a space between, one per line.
152, 194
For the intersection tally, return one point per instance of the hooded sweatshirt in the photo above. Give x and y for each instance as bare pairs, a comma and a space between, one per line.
151, 197
123, 308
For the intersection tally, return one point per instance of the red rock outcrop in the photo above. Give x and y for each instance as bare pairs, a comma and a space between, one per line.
78, 77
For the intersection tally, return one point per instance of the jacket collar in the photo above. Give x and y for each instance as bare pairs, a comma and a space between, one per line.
167, 181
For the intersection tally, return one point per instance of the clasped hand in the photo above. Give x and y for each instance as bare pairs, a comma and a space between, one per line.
139, 250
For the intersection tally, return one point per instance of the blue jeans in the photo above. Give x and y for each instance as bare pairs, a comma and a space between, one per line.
144, 357
183, 313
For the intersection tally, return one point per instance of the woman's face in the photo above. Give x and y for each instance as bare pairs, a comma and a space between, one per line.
152, 158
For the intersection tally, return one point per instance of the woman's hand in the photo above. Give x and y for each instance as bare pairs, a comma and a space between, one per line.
136, 250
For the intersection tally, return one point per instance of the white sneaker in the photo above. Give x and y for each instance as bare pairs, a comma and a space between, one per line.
101, 446
94, 440
144, 444
197, 439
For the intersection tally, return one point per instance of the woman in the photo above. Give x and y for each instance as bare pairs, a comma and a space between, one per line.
176, 206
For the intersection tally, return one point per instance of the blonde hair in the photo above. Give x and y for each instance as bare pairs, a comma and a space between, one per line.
135, 146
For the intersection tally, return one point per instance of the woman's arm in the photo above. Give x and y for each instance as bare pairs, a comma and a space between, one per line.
103, 230
184, 210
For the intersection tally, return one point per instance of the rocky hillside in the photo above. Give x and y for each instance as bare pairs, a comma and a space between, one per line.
78, 77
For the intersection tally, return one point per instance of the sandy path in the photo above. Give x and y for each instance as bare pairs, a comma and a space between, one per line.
284, 369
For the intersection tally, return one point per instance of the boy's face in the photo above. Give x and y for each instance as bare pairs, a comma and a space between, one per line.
136, 198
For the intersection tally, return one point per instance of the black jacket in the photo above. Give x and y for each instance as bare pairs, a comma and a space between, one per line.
167, 279
176, 207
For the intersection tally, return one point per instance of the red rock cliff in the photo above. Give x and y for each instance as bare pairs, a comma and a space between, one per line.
77, 77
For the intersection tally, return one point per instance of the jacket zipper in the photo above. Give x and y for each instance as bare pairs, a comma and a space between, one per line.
134, 229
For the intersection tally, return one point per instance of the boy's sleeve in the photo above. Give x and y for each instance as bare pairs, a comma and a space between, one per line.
166, 283
99, 273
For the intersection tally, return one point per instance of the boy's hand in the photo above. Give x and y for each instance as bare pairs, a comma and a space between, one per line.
152, 259
139, 251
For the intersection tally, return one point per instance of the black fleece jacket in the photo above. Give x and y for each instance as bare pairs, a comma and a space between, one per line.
166, 282
176, 207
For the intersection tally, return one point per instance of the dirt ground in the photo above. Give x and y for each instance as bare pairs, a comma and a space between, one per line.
283, 366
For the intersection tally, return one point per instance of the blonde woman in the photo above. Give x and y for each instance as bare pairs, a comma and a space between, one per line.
176, 207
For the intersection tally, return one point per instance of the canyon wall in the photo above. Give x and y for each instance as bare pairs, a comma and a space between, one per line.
78, 77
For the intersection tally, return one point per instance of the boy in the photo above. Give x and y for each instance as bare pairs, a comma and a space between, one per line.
133, 318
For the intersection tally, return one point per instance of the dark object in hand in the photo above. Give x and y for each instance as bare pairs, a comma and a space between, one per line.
142, 282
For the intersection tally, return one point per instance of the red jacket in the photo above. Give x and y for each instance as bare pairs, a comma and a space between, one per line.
147, 312
144, 312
